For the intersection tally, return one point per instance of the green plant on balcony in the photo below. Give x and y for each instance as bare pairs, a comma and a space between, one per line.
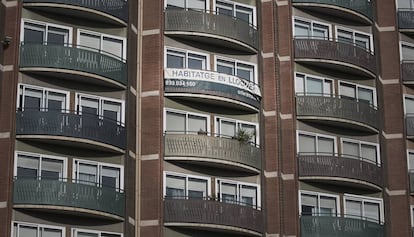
243, 136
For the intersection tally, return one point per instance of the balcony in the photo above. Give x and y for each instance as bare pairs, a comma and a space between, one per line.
79, 64
406, 20
321, 226
409, 126
336, 111
335, 55
105, 11
210, 214
351, 171
407, 72
213, 151
63, 196
71, 128
211, 28
212, 88
411, 180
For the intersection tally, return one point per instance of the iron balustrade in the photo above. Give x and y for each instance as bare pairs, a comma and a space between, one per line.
73, 57
70, 124
332, 49
406, 18
68, 193
339, 165
116, 8
350, 226
407, 70
213, 212
210, 22
332, 106
363, 7
219, 148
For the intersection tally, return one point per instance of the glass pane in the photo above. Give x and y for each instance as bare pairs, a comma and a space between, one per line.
57, 36
56, 101
48, 232
299, 84
409, 105
314, 86
326, 145
112, 110
366, 95
320, 31
369, 152
225, 67
27, 166
372, 211
353, 209
345, 36
228, 192
175, 186
248, 195
175, 122
362, 41
302, 28
113, 46
196, 4
197, 188
245, 14
309, 204
91, 42
327, 205
227, 128
251, 130
407, 52
347, 90
307, 144
34, 33
52, 169
176, 4
85, 234
175, 59
111, 177
411, 161
197, 123
196, 61
27, 231
350, 149
327, 87
87, 174
223, 8
33, 99
245, 71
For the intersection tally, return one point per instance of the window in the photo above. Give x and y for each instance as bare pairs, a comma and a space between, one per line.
235, 68
185, 122
363, 208
231, 128
109, 44
316, 144
31, 165
33, 230
410, 156
102, 174
187, 4
243, 12
359, 149
108, 109
409, 105
186, 186
407, 51
186, 59
407, 4
42, 32
412, 215
313, 85
238, 193
309, 29
360, 93
40, 98
318, 204
359, 39
93, 233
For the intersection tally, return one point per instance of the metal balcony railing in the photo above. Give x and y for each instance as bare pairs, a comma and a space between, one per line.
61, 192
337, 107
406, 18
72, 57
331, 49
363, 7
350, 226
208, 22
407, 70
71, 124
212, 147
339, 165
212, 212
116, 8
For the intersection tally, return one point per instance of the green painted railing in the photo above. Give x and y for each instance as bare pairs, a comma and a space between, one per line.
406, 18
73, 58
332, 226
61, 193
363, 7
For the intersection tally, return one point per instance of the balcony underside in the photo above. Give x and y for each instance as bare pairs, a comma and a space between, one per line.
334, 65
339, 122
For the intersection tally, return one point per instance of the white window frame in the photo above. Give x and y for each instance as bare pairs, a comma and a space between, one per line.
36, 225
102, 35
311, 23
238, 185
319, 194
186, 114
46, 24
186, 52
365, 199
236, 62
238, 123
324, 80
254, 22
41, 156
101, 100
317, 135
359, 143
373, 89
21, 94
99, 175
401, 48
353, 32
186, 176
74, 232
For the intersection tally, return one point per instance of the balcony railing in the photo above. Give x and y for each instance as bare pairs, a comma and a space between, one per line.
318, 226
76, 58
214, 148
32, 191
342, 166
116, 8
71, 124
363, 7
411, 179
405, 18
407, 71
345, 109
199, 211
332, 50
210, 23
